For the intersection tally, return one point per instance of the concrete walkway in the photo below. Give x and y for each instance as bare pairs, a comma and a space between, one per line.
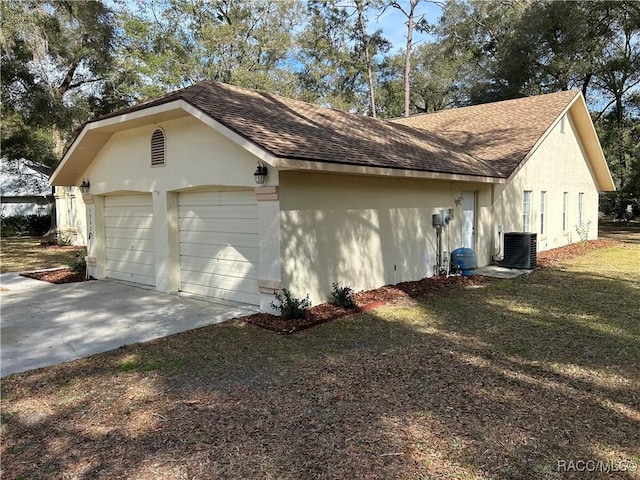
502, 272
43, 324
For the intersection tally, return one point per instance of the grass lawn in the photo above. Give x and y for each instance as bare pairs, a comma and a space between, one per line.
19, 254
520, 379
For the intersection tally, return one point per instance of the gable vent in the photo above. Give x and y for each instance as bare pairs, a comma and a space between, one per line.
157, 148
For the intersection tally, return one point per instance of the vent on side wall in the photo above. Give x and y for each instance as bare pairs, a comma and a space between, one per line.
157, 148
520, 250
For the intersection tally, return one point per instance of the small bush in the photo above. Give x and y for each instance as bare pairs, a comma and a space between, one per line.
79, 263
290, 308
583, 231
22, 225
342, 296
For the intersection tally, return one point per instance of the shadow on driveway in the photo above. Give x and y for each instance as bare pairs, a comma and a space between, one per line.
45, 324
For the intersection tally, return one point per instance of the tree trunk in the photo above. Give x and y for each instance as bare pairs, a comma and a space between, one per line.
409, 46
367, 56
58, 150
407, 60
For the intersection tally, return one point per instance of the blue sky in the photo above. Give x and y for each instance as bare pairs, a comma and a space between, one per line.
393, 23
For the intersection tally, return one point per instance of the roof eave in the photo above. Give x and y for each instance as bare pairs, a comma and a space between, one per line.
335, 167
591, 145
95, 135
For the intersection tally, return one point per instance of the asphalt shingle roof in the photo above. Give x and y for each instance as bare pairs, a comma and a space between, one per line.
486, 140
501, 133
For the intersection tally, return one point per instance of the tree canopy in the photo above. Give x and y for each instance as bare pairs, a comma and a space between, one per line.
66, 62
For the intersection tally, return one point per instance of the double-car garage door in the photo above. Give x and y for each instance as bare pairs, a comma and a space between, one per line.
217, 240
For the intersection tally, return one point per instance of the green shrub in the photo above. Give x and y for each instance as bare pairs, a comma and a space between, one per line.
23, 225
290, 308
342, 296
79, 263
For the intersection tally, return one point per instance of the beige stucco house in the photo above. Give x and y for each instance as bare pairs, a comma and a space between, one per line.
173, 202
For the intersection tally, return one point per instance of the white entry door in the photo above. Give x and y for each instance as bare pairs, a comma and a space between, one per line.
469, 220
128, 221
219, 245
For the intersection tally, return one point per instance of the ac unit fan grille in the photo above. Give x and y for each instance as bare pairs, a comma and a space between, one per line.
520, 250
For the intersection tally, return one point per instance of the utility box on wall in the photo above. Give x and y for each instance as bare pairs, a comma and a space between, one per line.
520, 250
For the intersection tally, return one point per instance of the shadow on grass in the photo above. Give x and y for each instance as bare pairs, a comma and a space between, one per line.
501, 382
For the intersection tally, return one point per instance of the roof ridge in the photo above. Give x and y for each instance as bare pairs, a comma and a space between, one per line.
575, 92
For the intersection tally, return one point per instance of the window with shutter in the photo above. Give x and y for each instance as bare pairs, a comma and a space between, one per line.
157, 148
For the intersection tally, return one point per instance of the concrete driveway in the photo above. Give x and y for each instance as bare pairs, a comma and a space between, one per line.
43, 324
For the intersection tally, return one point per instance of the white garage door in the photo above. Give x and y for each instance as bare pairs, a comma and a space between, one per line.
129, 238
219, 245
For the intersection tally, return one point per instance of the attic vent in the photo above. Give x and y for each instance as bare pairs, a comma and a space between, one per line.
157, 148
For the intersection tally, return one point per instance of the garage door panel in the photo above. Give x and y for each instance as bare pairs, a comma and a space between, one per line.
130, 277
141, 200
131, 211
126, 244
225, 197
218, 234
218, 212
133, 256
129, 222
249, 254
225, 267
224, 282
219, 238
129, 232
132, 268
226, 225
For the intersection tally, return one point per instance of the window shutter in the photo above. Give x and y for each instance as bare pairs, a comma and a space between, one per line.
157, 148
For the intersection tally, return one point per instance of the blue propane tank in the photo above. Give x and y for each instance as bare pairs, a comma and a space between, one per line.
466, 260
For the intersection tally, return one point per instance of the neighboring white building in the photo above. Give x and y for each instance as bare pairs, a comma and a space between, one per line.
23, 190
349, 199
71, 215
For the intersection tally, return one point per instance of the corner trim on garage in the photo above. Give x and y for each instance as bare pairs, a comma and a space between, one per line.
265, 194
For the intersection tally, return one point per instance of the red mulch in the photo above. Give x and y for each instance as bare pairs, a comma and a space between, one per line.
407, 291
389, 294
62, 275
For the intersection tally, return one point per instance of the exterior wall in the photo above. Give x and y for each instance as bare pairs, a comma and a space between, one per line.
558, 165
71, 217
197, 158
366, 232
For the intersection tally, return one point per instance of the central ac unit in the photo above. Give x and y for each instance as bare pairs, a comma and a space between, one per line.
520, 250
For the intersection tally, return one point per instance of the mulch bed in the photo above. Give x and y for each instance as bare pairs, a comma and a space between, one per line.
406, 292
62, 275
402, 293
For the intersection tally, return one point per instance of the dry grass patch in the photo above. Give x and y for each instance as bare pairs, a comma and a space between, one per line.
19, 254
499, 382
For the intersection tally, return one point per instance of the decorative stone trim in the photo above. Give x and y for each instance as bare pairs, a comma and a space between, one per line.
265, 194
87, 198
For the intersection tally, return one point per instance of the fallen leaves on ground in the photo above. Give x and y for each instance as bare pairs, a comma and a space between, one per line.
562, 254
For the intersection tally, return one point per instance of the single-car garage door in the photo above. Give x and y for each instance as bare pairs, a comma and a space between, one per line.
129, 233
219, 245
